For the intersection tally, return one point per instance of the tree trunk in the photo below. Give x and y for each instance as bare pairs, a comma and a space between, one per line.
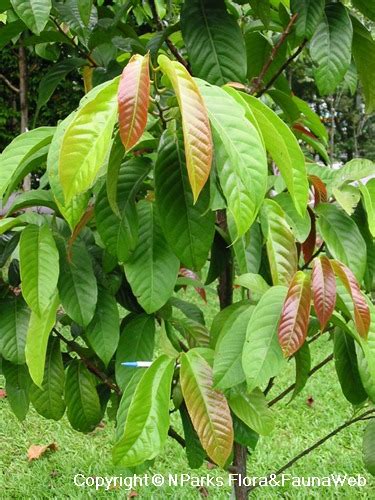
225, 293
24, 108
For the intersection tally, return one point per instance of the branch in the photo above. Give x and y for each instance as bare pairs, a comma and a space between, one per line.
9, 84
291, 387
259, 80
282, 68
320, 250
316, 445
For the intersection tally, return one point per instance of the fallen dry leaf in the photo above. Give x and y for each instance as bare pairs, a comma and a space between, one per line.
132, 494
36, 450
3, 393
310, 401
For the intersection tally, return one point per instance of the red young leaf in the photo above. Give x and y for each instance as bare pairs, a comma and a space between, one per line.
304, 130
308, 246
133, 99
294, 320
36, 451
187, 273
362, 316
3, 393
324, 289
320, 190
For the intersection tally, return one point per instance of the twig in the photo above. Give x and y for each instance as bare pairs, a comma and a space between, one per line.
75, 44
282, 68
316, 445
174, 435
9, 84
306, 265
291, 387
259, 80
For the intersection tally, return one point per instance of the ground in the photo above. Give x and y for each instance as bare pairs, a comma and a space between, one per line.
315, 412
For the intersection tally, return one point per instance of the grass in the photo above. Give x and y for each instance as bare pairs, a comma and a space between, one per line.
298, 425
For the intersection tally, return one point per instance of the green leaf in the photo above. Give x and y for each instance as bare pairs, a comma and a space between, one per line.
331, 47
103, 331
194, 451
303, 366
369, 447
136, 343
366, 7
39, 264
225, 318
342, 237
248, 248
368, 194
214, 41
262, 357
116, 156
354, 170
255, 283
37, 339
86, 140
72, 211
77, 283
282, 146
81, 397
347, 368
17, 385
189, 309
48, 400
33, 198
9, 31
53, 77
195, 333
365, 360
188, 227
227, 368
208, 409
152, 269
120, 232
243, 434
84, 7
281, 247
147, 421
21, 150
252, 409
301, 225
34, 13
240, 156
310, 12
127, 395
14, 320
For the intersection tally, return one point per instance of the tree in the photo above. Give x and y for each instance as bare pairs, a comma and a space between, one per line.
189, 160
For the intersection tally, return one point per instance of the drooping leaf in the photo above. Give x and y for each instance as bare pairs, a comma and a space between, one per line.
282, 146
194, 332
126, 398
103, 332
152, 269
255, 283
301, 225
147, 422
21, 150
355, 170
72, 211
14, 320
195, 123
86, 139
369, 447
262, 357
366, 7
48, 400
84, 7
240, 156
347, 367
364, 58
194, 451
342, 237
368, 194
136, 343
294, 319
37, 339
214, 42
323, 286
365, 361
133, 99
77, 283
17, 385
248, 248
330, 47
303, 366
361, 310
34, 13
188, 227
32, 198
225, 318
208, 408
309, 13
9, 31
81, 397
281, 248
39, 264
251, 408
227, 369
